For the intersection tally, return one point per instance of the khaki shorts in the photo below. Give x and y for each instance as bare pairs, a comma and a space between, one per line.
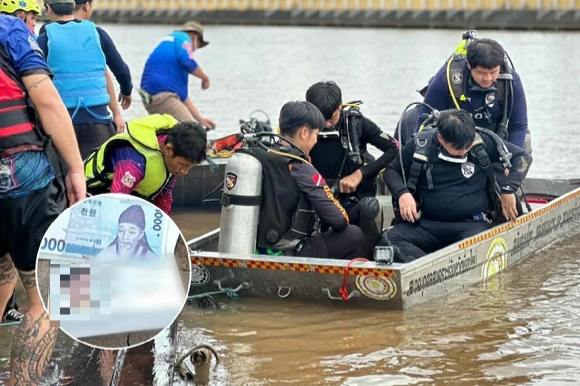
168, 103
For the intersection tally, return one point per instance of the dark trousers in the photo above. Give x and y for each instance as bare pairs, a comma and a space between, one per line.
345, 244
417, 240
92, 135
367, 224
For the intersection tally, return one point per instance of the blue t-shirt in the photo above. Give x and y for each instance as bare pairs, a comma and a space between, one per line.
169, 66
26, 172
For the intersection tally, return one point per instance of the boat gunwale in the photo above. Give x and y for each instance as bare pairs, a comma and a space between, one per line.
374, 268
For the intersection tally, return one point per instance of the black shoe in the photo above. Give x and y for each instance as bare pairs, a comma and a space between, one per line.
12, 316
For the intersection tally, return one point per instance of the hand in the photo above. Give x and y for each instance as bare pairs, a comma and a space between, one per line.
76, 187
408, 208
208, 123
125, 101
508, 206
349, 184
119, 123
205, 83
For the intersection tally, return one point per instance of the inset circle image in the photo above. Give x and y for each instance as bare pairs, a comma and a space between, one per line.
113, 271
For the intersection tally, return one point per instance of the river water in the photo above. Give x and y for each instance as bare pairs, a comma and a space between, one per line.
522, 328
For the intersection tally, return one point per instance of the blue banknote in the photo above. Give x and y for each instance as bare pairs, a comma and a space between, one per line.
108, 227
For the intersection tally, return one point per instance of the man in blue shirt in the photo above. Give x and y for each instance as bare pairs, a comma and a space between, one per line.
32, 190
478, 89
165, 77
83, 85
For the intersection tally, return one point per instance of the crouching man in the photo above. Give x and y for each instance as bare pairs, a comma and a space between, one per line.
295, 194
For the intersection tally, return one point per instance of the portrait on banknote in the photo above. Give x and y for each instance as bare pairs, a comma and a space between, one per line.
113, 268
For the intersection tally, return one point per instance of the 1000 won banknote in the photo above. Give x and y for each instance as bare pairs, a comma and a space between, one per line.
108, 227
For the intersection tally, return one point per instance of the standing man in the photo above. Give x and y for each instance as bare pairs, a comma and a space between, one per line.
32, 190
483, 83
26, 10
165, 77
353, 181
84, 85
84, 11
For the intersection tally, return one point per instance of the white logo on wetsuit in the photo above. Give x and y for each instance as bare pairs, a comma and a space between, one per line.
457, 77
490, 99
467, 169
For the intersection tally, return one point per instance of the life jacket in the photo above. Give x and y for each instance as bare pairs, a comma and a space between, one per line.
18, 121
459, 82
77, 60
286, 215
142, 136
421, 168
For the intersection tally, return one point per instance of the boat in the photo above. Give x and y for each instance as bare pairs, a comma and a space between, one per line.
555, 212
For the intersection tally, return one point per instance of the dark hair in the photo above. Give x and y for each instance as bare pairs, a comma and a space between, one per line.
457, 128
295, 115
485, 53
79, 5
326, 96
61, 9
189, 140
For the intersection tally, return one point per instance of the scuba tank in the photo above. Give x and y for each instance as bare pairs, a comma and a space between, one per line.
240, 202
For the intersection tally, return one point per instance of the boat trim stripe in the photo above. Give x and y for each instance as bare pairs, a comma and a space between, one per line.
520, 220
280, 266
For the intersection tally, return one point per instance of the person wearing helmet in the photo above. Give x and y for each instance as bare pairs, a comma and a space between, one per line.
26, 10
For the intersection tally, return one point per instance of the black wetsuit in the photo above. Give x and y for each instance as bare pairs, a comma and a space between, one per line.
452, 210
328, 156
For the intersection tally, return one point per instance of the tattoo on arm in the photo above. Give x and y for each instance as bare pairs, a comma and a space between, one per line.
35, 84
7, 271
28, 279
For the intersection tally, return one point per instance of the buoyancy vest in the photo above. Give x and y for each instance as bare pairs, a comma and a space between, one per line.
286, 215
142, 136
18, 122
77, 60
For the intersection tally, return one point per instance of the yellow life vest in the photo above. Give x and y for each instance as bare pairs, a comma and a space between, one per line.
142, 136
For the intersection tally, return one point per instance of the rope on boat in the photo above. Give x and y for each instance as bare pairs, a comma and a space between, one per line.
343, 291
232, 293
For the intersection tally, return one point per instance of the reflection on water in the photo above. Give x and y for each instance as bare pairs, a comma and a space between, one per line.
520, 328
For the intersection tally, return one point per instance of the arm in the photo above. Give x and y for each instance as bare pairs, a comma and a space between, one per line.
518, 124
437, 96
393, 175
318, 193
373, 135
164, 200
197, 116
184, 51
129, 169
113, 106
116, 63
42, 42
56, 123
521, 162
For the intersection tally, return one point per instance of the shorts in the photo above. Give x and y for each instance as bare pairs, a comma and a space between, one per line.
168, 103
26, 219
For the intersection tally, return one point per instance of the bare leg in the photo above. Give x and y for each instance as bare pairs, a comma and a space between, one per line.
7, 280
34, 339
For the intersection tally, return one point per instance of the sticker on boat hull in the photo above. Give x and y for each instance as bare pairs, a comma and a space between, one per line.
496, 259
379, 288
199, 275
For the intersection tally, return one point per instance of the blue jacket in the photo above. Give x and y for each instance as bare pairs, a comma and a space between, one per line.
169, 66
439, 97
78, 63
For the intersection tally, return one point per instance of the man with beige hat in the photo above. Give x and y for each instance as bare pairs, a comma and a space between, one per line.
165, 77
